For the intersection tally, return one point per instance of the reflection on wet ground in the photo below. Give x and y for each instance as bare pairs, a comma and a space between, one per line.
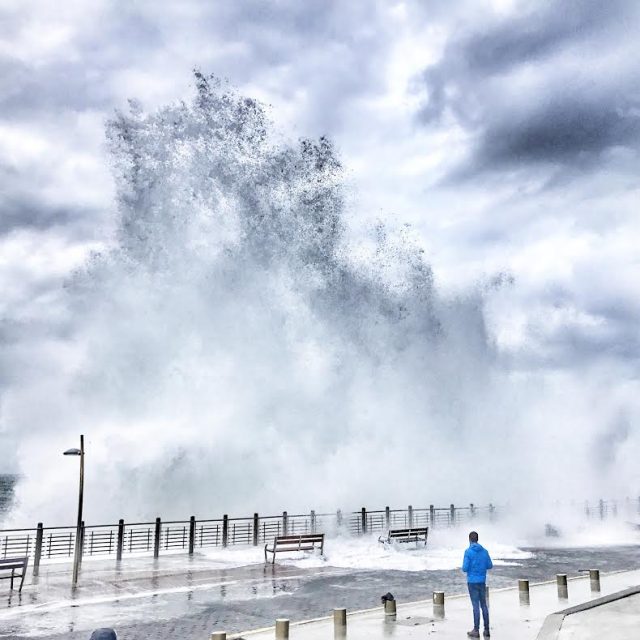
178, 596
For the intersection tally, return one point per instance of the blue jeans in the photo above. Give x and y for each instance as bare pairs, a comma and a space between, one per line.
478, 593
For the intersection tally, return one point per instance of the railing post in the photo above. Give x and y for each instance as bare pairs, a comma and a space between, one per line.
452, 515
601, 507
614, 508
492, 511
313, 521
38, 550
432, 515
363, 519
410, 515
81, 545
192, 534
256, 528
225, 530
387, 517
472, 510
586, 508
156, 538
339, 518
120, 540
285, 523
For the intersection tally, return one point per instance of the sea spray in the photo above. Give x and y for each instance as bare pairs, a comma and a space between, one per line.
235, 349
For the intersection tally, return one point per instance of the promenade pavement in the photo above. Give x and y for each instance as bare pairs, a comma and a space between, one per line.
619, 620
185, 598
509, 619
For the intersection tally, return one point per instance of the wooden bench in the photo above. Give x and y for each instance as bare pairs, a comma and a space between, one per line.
304, 542
411, 534
11, 564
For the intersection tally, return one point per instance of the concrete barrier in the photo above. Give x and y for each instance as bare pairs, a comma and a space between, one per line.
552, 624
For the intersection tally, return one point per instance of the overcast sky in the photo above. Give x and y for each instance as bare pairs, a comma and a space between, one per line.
507, 133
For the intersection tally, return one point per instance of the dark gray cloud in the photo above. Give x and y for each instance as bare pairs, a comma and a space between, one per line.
30, 213
563, 129
552, 85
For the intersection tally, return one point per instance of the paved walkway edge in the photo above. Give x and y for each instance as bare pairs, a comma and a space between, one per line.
553, 623
357, 612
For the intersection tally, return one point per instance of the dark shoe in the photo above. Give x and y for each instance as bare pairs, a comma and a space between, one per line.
473, 633
486, 633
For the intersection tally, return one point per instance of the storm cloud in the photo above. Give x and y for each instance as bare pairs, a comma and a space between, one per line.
554, 84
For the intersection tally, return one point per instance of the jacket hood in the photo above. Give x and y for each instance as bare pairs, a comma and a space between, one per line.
476, 546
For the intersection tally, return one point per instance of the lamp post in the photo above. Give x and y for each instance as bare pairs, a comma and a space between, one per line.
78, 548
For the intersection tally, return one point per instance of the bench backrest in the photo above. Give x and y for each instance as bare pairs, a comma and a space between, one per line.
403, 533
305, 538
13, 563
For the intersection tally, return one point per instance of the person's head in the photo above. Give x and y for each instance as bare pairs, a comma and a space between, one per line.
473, 537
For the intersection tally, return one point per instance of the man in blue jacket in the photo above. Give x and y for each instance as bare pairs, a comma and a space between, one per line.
475, 564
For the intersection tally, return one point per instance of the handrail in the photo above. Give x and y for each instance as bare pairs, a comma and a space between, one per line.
147, 537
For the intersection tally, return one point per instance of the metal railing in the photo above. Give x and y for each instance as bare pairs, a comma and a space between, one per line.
50, 543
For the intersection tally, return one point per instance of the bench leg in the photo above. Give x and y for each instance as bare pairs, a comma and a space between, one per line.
12, 573
24, 572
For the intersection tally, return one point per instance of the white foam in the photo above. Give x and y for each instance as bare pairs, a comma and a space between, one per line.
444, 552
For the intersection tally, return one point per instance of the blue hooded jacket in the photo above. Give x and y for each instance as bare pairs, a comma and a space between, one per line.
476, 563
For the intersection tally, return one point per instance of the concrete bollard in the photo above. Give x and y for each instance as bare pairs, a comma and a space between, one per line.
340, 622
523, 591
486, 596
563, 590
389, 607
594, 579
438, 604
282, 629
219, 635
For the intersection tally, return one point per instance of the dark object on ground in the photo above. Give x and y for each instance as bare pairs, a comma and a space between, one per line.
413, 534
11, 564
387, 596
304, 542
551, 532
104, 634
473, 633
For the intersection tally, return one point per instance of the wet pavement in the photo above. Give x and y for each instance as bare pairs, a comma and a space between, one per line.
186, 598
510, 620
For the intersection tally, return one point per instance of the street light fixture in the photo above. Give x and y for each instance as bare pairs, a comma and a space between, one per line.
78, 547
